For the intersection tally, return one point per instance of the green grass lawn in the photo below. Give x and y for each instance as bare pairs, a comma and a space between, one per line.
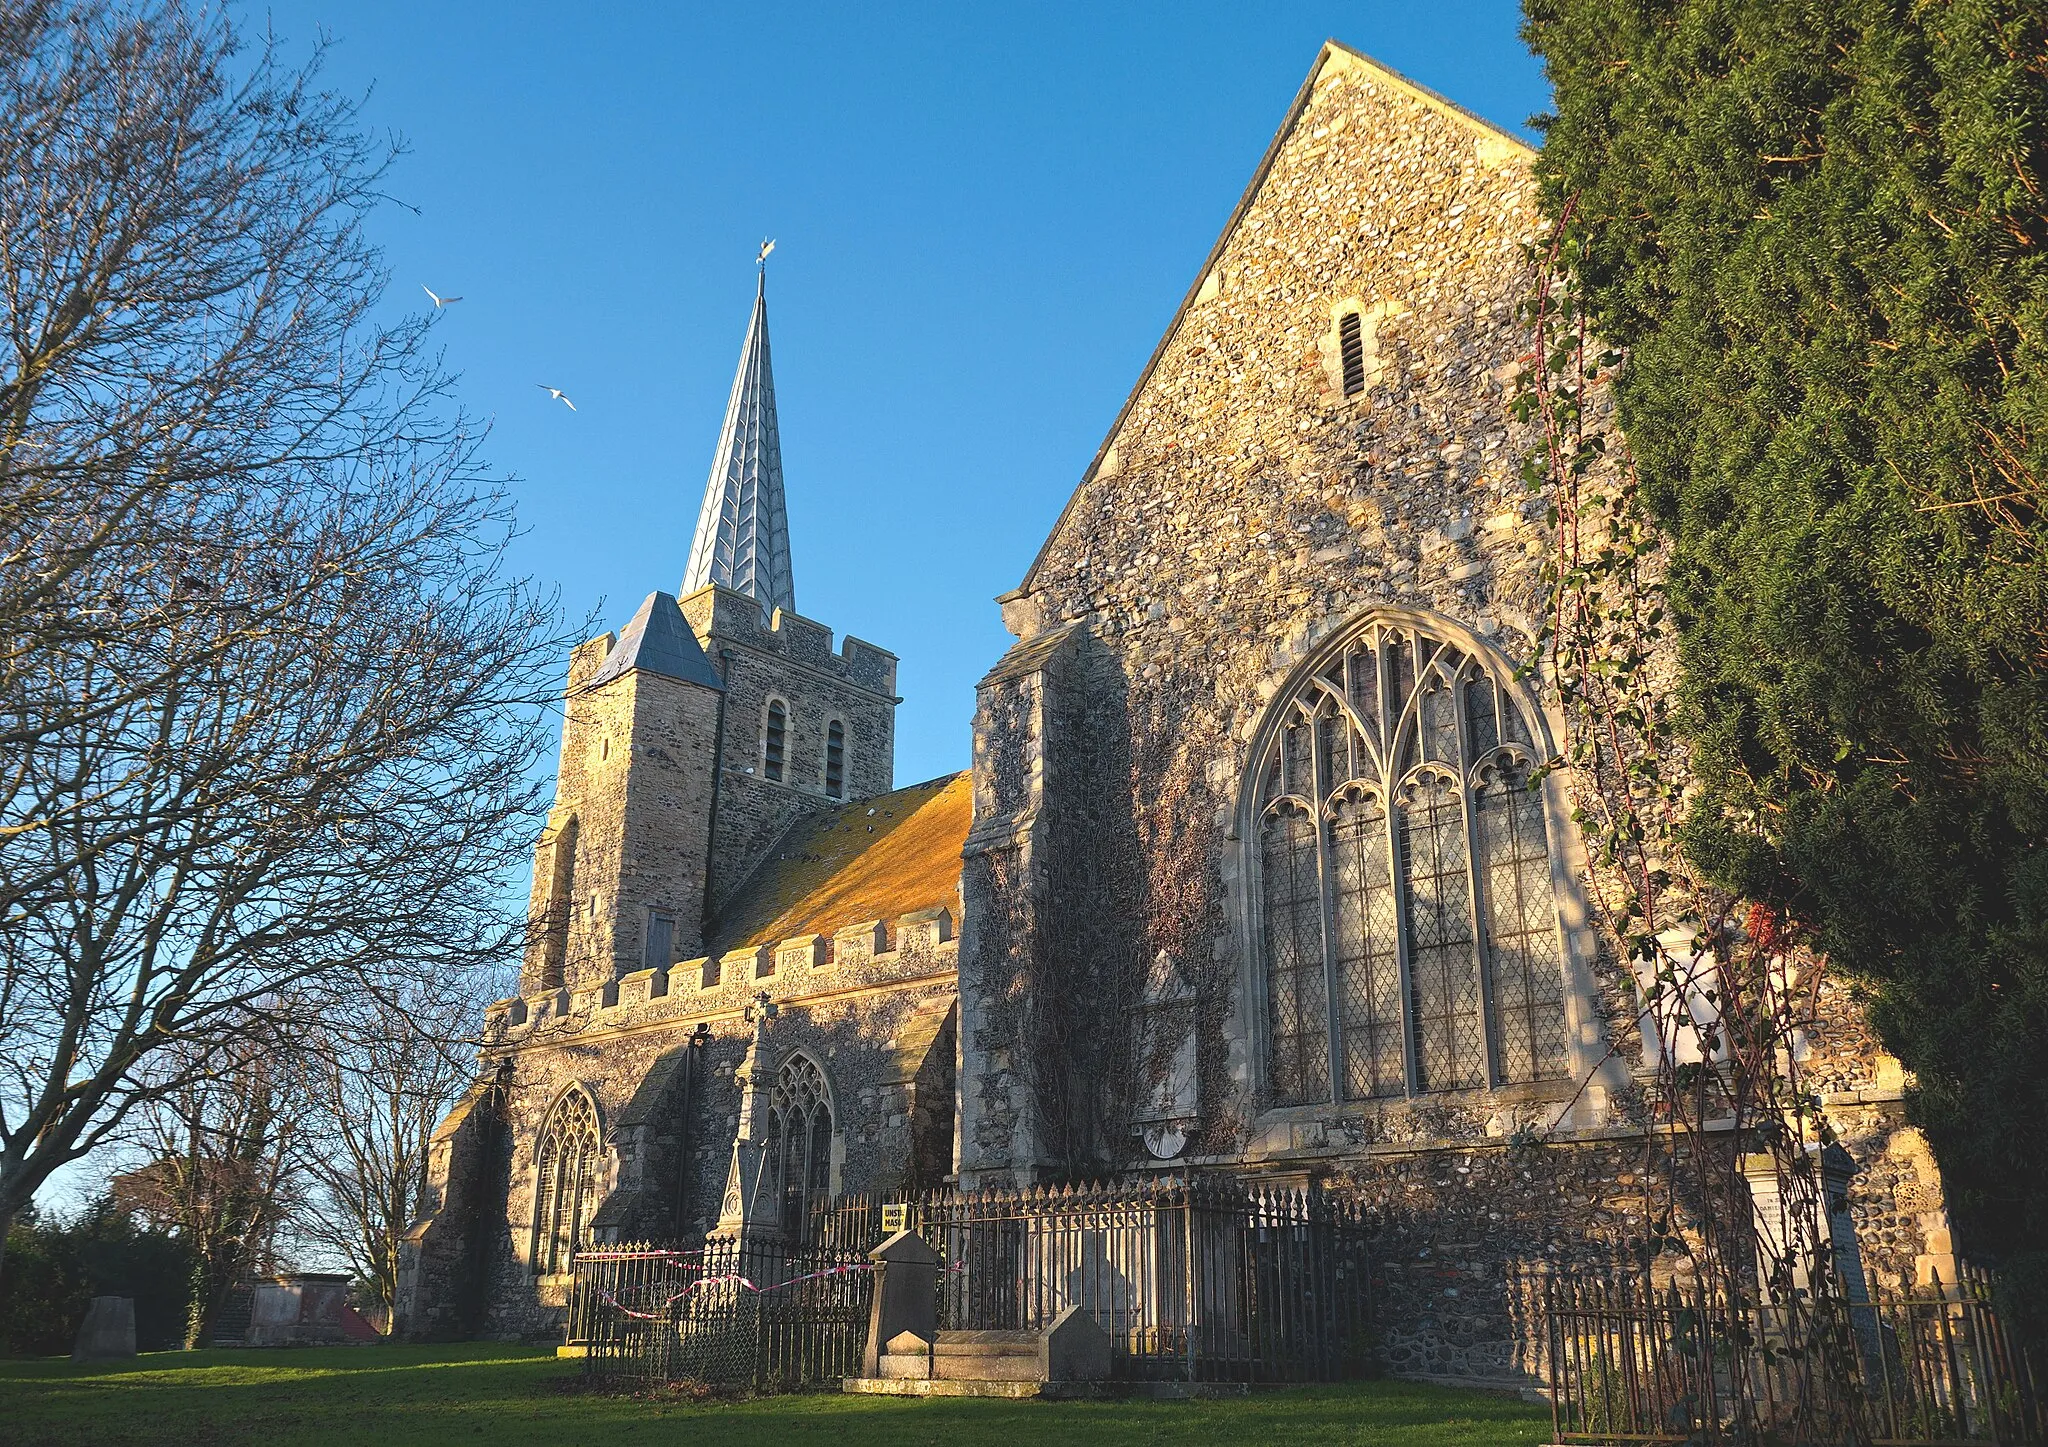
502, 1396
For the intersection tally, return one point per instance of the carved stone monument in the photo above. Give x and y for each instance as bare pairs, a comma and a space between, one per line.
905, 1300
750, 1211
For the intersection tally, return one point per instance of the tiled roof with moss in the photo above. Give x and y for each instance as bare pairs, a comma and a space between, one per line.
870, 859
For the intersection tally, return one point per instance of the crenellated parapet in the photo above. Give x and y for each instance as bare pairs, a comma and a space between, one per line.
873, 954
734, 618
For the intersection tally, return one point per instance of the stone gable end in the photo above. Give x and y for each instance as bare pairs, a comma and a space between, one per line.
1244, 504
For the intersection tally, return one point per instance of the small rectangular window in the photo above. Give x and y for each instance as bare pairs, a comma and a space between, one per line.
771, 748
661, 939
1351, 347
835, 760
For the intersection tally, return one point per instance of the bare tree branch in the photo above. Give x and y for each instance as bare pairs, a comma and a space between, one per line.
269, 697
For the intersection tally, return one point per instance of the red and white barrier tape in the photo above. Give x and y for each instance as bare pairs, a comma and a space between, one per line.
737, 1280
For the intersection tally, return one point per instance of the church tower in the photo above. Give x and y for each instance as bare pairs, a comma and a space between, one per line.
695, 737
805, 727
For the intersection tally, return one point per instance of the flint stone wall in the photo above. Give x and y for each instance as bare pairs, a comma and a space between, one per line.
635, 776
887, 1055
1243, 506
1463, 1240
794, 662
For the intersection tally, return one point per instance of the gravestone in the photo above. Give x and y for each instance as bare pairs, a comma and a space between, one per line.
906, 1296
108, 1332
1075, 1348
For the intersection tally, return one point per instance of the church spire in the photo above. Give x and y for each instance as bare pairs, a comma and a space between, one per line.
742, 539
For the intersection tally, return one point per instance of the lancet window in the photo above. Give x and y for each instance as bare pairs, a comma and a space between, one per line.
567, 1166
1407, 917
1351, 352
800, 1143
772, 733
835, 760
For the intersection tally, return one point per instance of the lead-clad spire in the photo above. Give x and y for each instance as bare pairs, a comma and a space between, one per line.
742, 537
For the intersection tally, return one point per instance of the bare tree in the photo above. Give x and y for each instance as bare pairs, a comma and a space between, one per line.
269, 700
373, 1101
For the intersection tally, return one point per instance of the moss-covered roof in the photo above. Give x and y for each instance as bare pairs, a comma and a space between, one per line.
870, 859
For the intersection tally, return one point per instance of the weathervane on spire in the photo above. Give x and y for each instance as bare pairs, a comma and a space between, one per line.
767, 245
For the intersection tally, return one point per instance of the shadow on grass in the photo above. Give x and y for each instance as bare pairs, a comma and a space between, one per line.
508, 1396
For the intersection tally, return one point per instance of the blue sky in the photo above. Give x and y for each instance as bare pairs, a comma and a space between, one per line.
985, 217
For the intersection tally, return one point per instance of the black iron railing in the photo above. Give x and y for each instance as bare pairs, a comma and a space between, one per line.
763, 1316
1192, 1281
1934, 1365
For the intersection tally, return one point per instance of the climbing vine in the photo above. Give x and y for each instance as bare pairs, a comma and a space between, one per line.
1721, 991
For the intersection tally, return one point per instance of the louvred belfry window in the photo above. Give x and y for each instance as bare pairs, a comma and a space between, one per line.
565, 1183
772, 739
1406, 906
835, 760
1351, 352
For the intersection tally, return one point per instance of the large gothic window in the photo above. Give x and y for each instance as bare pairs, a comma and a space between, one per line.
567, 1164
1406, 912
800, 1144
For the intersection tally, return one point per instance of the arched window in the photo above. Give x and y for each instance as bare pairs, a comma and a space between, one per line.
1405, 908
772, 735
567, 1164
800, 1143
835, 760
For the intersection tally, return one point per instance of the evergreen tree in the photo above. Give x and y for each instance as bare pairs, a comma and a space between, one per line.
1820, 231
57, 1265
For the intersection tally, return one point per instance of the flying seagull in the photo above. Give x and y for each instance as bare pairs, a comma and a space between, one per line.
439, 301
766, 247
557, 394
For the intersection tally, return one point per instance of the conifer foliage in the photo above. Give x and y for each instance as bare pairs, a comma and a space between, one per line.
1820, 231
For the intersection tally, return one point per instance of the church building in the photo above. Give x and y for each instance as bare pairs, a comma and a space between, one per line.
1248, 876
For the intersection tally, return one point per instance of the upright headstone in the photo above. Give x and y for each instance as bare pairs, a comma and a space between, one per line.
906, 1296
108, 1332
1074, 1348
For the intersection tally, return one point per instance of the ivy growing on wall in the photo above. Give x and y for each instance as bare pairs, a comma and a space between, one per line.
1819, 231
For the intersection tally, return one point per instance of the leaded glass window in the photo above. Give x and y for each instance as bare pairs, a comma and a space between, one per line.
800, 1144
1407, 917
1298, 982
567, 1165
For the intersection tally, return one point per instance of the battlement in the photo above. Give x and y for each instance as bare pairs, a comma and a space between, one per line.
871, 953
589, 656
721, 617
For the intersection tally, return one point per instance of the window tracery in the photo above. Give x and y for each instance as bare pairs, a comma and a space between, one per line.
800, 1143
567, 1165
1407, 915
